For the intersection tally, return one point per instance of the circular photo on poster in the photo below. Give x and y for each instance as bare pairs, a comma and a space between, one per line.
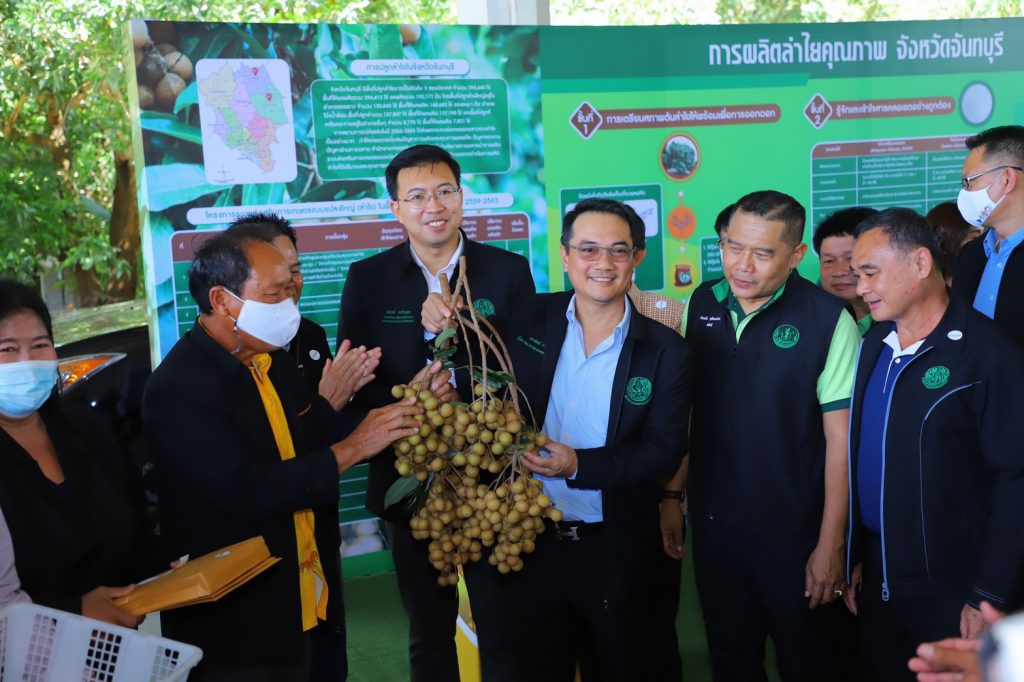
680, 156
977, 103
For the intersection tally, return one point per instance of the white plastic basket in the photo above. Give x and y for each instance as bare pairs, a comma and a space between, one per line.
39, 644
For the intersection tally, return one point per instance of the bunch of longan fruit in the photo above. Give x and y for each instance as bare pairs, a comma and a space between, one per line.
162, 70
461, 514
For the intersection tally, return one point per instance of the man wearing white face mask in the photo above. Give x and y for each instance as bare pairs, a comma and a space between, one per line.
990, 271
244, 448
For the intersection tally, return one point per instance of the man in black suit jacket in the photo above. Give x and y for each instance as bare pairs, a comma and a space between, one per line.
936, 468
334, 378
611, 387
989, 273
243, 450
390, 300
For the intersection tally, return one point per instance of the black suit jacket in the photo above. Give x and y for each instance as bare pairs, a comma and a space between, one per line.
310, 352
222, 481
645, 442
380, 306
1010, 303
953, 464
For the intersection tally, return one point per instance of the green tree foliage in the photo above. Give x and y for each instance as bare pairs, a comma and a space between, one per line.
64, 125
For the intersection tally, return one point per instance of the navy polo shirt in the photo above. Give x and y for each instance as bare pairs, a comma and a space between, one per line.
870, 464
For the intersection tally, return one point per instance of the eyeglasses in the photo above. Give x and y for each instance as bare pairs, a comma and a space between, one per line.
966, 182
445, 197
592, 252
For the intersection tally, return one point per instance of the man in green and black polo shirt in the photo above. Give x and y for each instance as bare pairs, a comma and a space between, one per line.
833, 242
773, 362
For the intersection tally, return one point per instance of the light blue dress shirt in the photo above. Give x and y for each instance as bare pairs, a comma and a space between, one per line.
988, 287
577, 415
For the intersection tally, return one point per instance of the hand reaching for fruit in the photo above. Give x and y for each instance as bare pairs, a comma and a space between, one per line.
559, 461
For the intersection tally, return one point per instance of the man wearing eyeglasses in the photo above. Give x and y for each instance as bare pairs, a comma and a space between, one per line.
773, 372
990, 271
392, 300
610, 388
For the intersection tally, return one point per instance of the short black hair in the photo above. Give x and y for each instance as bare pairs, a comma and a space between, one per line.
278, 224
906, 228
597, 205
772, 205
722, 221
16, 297
1003, 142
219, 262
415, 157
950, 231
842, 223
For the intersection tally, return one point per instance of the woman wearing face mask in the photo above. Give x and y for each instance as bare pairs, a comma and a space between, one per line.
67, 492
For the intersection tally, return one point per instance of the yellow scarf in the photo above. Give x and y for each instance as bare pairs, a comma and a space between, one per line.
312, 583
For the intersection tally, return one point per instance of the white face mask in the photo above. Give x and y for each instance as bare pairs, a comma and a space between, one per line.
976, 206
272, 323
25, 386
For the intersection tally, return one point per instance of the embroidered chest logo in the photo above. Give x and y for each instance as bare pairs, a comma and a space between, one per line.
709, 321
638, 391
534, 344
397, 316
483, 307
936, 377
786, 336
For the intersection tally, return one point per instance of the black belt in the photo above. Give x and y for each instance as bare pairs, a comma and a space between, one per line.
575, 530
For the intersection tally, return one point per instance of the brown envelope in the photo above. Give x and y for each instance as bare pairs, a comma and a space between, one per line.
205, 579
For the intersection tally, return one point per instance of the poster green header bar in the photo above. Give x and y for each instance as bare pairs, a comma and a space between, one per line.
819, 50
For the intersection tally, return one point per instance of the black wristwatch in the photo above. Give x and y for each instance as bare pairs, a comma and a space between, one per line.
673, 495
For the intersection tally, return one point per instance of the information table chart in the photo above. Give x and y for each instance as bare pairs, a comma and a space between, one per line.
326, 252
915, 173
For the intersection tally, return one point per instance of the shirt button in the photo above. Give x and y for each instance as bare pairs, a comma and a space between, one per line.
991, 296
999, 265
572, 406
897, 361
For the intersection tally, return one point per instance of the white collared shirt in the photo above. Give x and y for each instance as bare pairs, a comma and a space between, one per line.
434, 280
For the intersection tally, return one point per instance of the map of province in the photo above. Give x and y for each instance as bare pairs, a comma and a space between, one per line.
245, 110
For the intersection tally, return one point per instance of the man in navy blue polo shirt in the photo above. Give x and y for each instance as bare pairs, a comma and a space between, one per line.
936, 468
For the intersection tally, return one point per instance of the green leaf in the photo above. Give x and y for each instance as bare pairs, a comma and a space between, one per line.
443, 336
188, 97
419, 497
255, 49
173, 184
94, 207
385, 42
262, 194
446, 353
496, 380
171, 126
340, 189
399, 490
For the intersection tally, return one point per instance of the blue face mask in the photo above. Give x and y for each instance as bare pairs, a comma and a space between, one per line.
25, 386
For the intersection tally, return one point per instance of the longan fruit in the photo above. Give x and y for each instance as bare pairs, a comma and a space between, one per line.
168, 89
140, 34
152, 71
410, 33
163, 32
147, 98
180, 64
